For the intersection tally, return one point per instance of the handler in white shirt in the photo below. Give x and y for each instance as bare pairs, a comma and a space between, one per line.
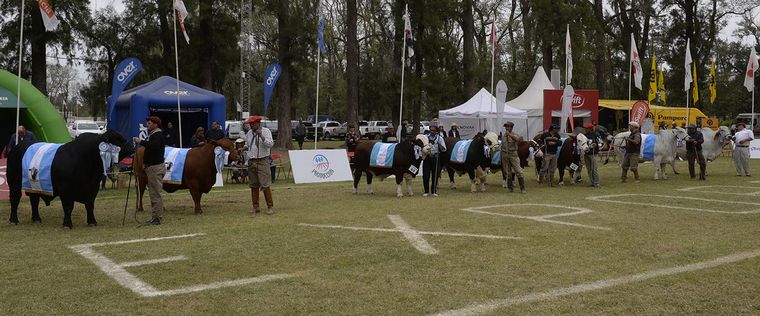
742, 138
259, 142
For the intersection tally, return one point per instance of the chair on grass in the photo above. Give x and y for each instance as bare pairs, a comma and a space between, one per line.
280, 166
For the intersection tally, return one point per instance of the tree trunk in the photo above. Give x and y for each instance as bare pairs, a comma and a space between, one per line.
419, 51
468, 32
39, 51
600, 58
167, 41
548, 61
206, 48
352, 64
283, 85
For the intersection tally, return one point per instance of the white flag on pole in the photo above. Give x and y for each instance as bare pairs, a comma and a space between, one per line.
636, 70
182, 14
408, 34
568, 56
749, 76
567, 108
48, 15
687, 66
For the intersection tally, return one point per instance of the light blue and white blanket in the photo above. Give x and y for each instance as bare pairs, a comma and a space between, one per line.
382, 155
459, 152
647, 146
36, 168
174, 158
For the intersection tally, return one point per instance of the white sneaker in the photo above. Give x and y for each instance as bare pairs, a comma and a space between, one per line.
424, 194
435, 194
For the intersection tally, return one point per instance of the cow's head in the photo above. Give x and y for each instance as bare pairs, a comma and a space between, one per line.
680, 134
113, 137
228, 146
492, 141
723, 135
421, 146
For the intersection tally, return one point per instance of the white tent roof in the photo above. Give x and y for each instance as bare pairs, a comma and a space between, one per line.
482, 105
533, 96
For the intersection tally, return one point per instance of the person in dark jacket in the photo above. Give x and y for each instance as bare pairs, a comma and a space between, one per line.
300, 133
153, 164
23, 135
632, 152
589, 159
199, 139
215, 133
550, 141
694, 151
454, 131
352, 138
170, 134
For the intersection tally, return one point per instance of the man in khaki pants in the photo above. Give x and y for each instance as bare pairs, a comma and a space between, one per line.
742, 138
510, 162
153, 164
259, 142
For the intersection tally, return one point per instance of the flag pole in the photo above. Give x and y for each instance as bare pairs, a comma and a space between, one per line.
176, 65
630, 75
687, 106
753, 104
316, 109
493, 55
18, 88
403, 68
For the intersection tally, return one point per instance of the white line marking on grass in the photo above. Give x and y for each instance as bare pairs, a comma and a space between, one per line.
492, 305
128, 280
698, 190
152, 261
606, 198
412, 235
542, 218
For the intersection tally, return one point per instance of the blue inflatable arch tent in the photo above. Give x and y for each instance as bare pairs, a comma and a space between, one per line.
199, 107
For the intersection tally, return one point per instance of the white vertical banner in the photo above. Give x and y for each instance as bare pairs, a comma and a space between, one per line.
501, 99
317, 166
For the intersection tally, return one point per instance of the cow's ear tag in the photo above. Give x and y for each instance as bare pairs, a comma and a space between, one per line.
413, 170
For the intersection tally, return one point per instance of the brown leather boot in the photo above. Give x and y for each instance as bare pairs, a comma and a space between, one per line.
268, 197
623, 176
636, 174
255, 201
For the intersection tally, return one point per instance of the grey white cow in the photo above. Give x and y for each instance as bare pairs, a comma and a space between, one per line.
665, 149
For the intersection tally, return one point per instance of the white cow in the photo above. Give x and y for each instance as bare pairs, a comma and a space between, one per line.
664, 149
715, 141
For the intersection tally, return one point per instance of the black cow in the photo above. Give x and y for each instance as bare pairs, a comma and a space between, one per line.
76, 173
407, 154
478, 156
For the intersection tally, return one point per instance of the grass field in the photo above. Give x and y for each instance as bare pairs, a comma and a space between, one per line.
605, 258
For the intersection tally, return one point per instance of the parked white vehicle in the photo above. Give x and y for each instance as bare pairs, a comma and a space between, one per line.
82, 126
333, 129
424, 126
233, 129
374, 129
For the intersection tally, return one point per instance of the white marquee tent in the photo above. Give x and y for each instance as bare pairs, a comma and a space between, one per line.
532, 101
479, 113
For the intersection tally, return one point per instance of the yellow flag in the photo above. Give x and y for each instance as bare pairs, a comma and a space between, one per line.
661, 87
653, 79
695, 91
713, 85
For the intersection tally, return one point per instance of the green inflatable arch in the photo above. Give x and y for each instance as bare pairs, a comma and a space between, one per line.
39, 116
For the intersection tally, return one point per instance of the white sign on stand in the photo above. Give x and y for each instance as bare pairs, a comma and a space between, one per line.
754, 149
316, 166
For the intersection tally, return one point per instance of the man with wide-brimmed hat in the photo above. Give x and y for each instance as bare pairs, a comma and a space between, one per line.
153, 164
510, 162
694, 151
259, 142
454, 131
742, 138
632, 152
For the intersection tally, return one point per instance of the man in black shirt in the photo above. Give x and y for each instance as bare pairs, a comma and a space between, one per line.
454, 131
550, 141
215, 133
171, 135
153, 164
694, 151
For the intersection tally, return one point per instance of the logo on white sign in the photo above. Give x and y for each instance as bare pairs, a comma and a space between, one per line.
321, 167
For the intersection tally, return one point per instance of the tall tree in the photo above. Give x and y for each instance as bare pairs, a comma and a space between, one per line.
352, 64
468, 54
284, 83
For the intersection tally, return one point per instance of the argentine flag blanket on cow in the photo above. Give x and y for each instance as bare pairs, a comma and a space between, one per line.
174, 158
382, 155
36, 168
647, 146
459, 152
496, 158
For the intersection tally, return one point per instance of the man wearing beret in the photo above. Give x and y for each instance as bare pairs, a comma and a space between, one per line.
694, 151
742, 138
632, 152
259, 142
510, 162
550, 142
153, 164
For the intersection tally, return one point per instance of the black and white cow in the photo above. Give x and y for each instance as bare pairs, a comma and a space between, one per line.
407, 157
76, 172
478, 157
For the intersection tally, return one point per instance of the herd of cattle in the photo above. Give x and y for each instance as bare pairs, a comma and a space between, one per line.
76, 169
669, 146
